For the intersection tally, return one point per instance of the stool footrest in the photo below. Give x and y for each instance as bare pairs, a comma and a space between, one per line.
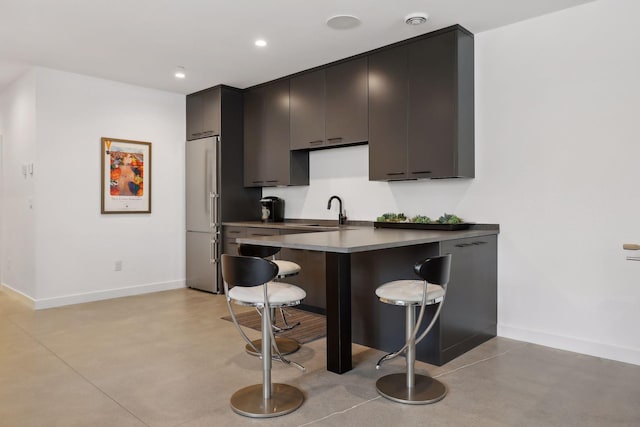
285, 345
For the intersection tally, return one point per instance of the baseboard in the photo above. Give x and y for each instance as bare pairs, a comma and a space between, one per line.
605, 351
17, 295
107, 294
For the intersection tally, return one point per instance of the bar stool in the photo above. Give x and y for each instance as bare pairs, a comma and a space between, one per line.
285, 269
412, 388
251, 284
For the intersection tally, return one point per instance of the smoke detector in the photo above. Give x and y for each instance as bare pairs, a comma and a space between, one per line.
415, 18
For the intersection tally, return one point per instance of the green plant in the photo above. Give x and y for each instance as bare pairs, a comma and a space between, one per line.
392, 217
421, 219
449, 219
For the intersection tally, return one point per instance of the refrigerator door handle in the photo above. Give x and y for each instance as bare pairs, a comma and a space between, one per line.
213, 209
212, 214
213, 251
207, 178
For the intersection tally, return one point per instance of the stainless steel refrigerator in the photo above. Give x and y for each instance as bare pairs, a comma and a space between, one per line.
203, 214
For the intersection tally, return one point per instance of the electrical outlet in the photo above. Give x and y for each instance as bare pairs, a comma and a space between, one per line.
118, 266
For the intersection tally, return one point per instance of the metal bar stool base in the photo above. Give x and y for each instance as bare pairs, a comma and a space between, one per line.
426, 389
249, 402
285, 345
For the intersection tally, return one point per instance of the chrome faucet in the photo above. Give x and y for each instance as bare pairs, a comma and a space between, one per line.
341, 217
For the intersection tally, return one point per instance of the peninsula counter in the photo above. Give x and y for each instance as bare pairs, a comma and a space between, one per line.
359, 259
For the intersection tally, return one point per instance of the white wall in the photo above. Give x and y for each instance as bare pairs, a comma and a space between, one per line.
557, 154
17, 244
75, 246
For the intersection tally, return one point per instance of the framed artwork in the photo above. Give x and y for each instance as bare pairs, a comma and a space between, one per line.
126, 176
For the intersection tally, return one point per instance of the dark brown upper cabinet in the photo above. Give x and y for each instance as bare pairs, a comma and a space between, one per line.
388, 104
329, 106
307, 110
347, 91
268, 161
203, 113
421, 121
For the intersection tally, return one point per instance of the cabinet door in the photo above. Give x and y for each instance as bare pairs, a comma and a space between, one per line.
311, 277
203, 114
307, 110
275, 156
194, 116
211, 112
230, 234
346, 103
388, 100
253, 139
432, 107
470, 307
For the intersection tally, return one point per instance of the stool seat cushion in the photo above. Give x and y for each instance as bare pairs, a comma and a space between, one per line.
280, 294
408, 292
287, 268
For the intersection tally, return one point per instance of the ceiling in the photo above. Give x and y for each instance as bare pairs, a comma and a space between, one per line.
141, 42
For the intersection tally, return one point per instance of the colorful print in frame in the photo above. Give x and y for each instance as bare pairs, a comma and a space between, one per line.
126, 176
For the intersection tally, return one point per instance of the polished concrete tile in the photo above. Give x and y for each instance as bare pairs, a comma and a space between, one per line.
167, 359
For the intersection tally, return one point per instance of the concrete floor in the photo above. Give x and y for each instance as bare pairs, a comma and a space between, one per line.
167, 359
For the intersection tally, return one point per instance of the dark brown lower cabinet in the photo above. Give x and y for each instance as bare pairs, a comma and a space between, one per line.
312, 276
469, 314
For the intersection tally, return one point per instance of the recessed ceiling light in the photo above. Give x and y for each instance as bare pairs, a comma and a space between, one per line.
261, 43
343, 22
416, 18
180, 73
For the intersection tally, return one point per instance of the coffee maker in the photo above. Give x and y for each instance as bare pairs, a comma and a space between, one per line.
272, 209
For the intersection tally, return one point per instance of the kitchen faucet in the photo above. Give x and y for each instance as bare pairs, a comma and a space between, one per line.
341, 217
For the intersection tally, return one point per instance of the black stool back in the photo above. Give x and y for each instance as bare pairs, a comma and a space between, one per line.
257, 251
247, 271
434, 270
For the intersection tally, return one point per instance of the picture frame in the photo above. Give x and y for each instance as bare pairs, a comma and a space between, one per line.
125, 176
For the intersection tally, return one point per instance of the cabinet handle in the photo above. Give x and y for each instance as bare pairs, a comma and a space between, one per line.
421, 172
464, 245
336, 139
395, 173
318, 141
272, 180
257, 182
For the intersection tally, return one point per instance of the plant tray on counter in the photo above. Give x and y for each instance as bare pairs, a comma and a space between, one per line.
422, 226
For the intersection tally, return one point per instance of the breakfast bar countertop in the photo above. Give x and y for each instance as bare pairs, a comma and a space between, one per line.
351, 239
